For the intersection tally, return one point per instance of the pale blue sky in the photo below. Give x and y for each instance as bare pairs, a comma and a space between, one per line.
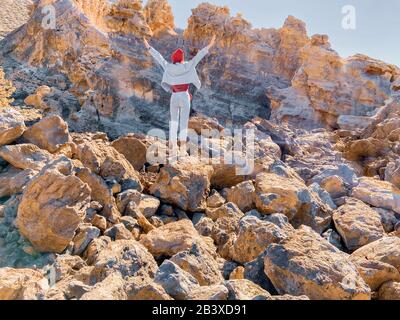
378, 22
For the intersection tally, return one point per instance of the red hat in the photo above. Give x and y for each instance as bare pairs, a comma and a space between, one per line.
178, 56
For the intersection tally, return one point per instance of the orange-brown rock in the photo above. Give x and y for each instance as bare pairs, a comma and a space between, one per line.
133, 149
22, 284
159, 17
14, 180
242, 195
12, 125
184, 184
385, 250
25, 156
358, 224
51, 209
36, 99
107, 162
290, 196
375, 272
380, 194
305, 263
6, 90
127, 257
389, 291
146, 289
50, 133
200, 265
255, 235
173, 238
100, 192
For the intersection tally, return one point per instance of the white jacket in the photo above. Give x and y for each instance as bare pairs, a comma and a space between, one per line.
180, 73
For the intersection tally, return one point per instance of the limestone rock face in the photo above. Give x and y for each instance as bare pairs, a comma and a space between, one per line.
285, 60
51, 209
307, 264
293, 35
22, 284
12, 126
377, 193
185, 185
358, 224
159, 17
50, 134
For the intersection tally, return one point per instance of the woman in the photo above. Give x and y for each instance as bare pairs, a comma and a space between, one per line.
177, 78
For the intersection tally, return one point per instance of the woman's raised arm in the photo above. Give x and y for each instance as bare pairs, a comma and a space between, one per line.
202, 53
155, 54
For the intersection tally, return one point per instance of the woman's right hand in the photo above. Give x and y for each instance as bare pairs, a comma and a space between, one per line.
212, 43
146, 44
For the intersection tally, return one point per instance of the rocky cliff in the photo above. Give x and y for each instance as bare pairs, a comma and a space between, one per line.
85, 214
280, 73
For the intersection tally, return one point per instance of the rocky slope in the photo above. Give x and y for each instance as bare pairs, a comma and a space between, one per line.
84, 215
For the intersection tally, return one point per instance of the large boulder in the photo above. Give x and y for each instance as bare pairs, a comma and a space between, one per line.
358, 224
100, 192
146, 289
128, 257
84, 235
133, 149
12, 126
25, 156
306, 264
185, 184
375, 272
200, 265
242, 195
104, 160
290, 196
245, 290
389, 291
178, 283
214, 292
256, 234
51, 209
14, 180
386, 250
51, 134
22, 284
173, 238
380, 194
111, 288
